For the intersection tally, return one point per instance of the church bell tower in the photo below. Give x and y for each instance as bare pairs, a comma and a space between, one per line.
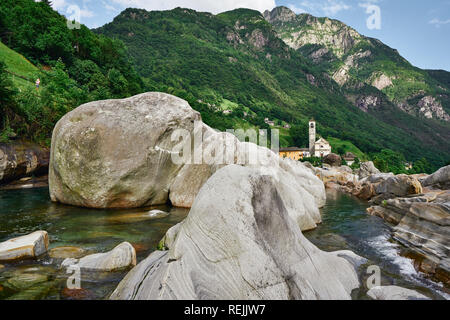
312, 136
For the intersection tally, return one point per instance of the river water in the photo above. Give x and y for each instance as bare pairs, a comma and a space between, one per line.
345, 226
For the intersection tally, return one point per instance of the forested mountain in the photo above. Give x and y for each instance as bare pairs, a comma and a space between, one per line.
355, 61
233, 67
75, 66
238, 57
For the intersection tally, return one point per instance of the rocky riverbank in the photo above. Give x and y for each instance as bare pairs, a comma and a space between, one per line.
23, 164
242, 238
417, 206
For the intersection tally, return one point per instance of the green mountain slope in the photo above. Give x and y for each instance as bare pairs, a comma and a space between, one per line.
354, 60
75, 66
237, 57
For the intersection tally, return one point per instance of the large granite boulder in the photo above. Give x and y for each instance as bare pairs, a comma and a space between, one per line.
422, 224
395, 293
338, 178
367, 169
192, 176
117, 153
239, 241
22, 159
440, 179
399, 186
121, 257
29, 246
333, 160
120, 153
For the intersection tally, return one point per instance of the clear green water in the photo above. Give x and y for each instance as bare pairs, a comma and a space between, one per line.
28, 210
346, 226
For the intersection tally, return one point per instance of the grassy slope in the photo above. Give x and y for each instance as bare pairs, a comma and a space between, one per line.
348, 146
19, 65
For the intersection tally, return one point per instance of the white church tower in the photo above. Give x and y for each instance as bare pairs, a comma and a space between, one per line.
312, 136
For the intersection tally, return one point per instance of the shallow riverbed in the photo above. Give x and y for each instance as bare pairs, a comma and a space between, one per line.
345, 226
28, 210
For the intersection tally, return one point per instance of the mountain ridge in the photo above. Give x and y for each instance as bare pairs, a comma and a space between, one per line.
353, 59
238, 56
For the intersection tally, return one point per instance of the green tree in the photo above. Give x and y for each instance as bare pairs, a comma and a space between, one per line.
421, 166
356, 164
300, 135
390, 161
7, 91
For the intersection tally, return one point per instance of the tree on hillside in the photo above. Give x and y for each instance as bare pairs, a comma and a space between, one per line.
390, 161
6, 87
300, 135
421, 166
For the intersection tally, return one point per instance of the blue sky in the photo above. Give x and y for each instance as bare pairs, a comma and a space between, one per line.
418, 29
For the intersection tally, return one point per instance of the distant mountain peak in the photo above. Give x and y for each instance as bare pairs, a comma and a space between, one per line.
280, 14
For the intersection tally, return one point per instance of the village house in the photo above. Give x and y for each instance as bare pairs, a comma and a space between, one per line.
294, 153
319, 148
349, 158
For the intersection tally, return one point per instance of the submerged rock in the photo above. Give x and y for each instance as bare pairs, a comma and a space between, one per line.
137, 216
395, 293
240, 241
121, 257
66, 252
28, 246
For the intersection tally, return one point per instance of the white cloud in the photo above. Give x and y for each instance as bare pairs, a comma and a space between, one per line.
199, 5
334, 7
109, 7
86, 13
323, 7
438, 22
59, 4
297, 10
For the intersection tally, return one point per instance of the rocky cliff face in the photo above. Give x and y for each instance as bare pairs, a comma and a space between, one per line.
351, 58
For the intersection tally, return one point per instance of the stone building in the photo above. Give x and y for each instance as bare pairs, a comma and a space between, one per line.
317, 148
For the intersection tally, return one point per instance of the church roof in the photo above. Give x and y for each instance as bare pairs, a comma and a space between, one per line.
322, 140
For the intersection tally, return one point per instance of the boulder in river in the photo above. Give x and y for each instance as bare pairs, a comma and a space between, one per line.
28, 246
240, 241
22, 159
121, 257
400, 185
395, 293
333, 160
439, 180
117, 153
367, 169
422, 224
